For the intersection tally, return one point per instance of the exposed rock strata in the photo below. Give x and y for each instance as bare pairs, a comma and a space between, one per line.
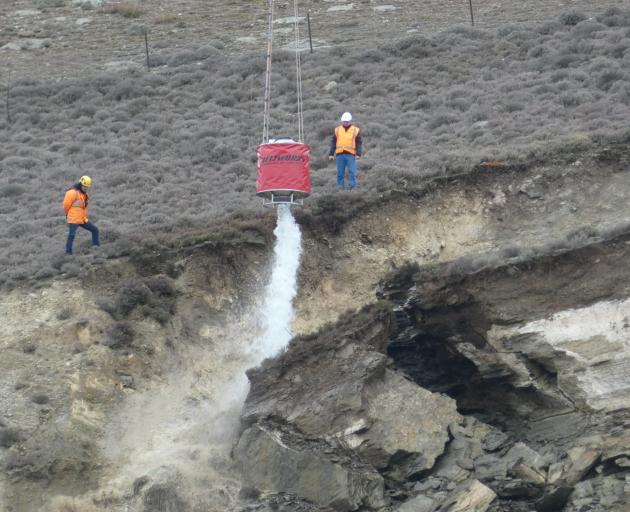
273, 457
508, 352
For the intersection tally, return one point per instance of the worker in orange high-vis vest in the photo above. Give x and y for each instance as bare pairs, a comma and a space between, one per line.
75, 204
345, 148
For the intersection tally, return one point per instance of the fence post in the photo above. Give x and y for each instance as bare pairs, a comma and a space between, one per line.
472, 17
146, 47
8, 105
310, 38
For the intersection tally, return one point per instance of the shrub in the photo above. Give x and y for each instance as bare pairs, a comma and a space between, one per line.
153, 297
44, 273
9, 436
373, 90
65, 313
12, 190
19, 162
70, 94
191, 56
126, 89
606, 80
572, 18
119, 335
131, 295
40, 398
372, 55
20, 229
222, 153
166, 18
441, 120
162, 286
614, 17
28, 347
126, 9
157, 313
414, 47
513, 106
240, 169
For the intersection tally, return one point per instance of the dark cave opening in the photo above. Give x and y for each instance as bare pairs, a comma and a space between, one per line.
432, 361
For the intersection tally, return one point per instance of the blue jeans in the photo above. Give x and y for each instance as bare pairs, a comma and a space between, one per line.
72, 231
346, 160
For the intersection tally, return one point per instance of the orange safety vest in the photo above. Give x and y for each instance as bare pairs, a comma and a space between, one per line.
75, 206
346, 139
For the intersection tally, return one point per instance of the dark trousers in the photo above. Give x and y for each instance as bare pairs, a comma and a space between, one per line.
72, 231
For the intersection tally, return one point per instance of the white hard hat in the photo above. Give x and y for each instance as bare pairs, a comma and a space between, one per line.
346, 117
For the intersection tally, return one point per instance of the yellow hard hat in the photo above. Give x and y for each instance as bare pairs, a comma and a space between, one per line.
86, 181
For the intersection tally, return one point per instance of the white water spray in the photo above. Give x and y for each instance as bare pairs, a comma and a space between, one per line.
277, 312
188, 424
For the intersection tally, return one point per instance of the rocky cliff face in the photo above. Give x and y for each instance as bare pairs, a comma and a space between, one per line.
461, 348
496, 381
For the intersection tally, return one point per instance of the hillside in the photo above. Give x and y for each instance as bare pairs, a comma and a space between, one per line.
121, 388
160, 145
64, 39
454, 335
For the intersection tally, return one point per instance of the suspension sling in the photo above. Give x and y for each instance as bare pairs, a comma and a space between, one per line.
283, 169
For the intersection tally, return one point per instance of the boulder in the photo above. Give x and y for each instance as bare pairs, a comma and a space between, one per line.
273, 458
554, 499
517, 488
586, 348
489, 467
455, 464
615, 446
581, 460
469, 496
336, 386
494, 440
562, 477
403, 419
609, 493
526, 464
417, 504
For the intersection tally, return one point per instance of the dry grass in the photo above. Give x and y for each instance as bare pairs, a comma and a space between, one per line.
126, 9
174, 149
69, 504
166, 18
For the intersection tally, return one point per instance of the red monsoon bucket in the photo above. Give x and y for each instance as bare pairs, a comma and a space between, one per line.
283, 172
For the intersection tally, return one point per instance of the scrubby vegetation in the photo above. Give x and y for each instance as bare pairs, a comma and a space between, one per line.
153, 297
126, 9
175, 148
119, 335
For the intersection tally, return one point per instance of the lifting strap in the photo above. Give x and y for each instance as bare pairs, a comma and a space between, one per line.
268, 74
298, 73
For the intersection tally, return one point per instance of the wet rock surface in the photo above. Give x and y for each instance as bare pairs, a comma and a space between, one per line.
277, 459
467, 390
